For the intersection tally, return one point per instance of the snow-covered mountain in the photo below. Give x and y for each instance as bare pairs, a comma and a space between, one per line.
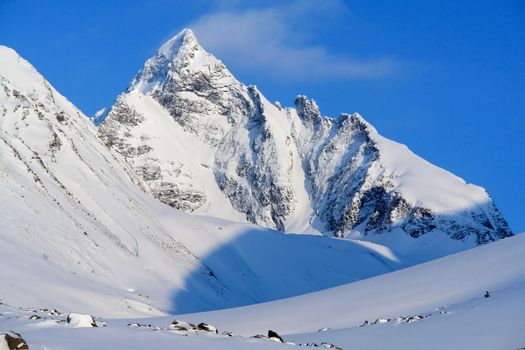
78, 232
205, 143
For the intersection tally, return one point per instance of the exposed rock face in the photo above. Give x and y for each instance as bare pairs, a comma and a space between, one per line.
206, 143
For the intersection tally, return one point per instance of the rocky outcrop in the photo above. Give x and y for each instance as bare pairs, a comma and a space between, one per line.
81, 321
185, 327
12, 341
272, 335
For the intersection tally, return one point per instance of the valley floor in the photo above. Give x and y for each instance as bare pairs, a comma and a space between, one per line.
437, 305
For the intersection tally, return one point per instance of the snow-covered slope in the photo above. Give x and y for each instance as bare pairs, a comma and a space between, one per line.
77, 232
420, 289
437, 305
206, 143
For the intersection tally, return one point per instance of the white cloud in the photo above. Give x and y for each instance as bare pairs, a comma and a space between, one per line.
274, 40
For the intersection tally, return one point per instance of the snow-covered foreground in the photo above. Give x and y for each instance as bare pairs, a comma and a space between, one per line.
497, 322
436, 305
416, 290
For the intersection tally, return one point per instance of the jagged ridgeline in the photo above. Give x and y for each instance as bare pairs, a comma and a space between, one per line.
206, 143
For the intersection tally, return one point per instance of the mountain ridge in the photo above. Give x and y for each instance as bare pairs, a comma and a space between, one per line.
79, 232
291, 169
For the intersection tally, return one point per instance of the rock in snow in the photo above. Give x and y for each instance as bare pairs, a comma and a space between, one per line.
12, 341
207, 327
274, 336
80, 321
206, 143
184, 326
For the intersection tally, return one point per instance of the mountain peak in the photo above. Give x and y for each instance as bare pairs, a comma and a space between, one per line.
181, 54
306, 108
15, 69
185, 37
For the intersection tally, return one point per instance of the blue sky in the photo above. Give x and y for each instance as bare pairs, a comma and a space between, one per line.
447, 78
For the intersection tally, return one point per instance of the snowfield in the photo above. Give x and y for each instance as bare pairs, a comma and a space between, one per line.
436, 305
455, 279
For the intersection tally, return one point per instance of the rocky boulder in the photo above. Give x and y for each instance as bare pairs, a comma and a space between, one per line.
12, 341
80, 321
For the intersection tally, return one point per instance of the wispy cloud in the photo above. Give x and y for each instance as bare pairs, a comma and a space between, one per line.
275, 41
